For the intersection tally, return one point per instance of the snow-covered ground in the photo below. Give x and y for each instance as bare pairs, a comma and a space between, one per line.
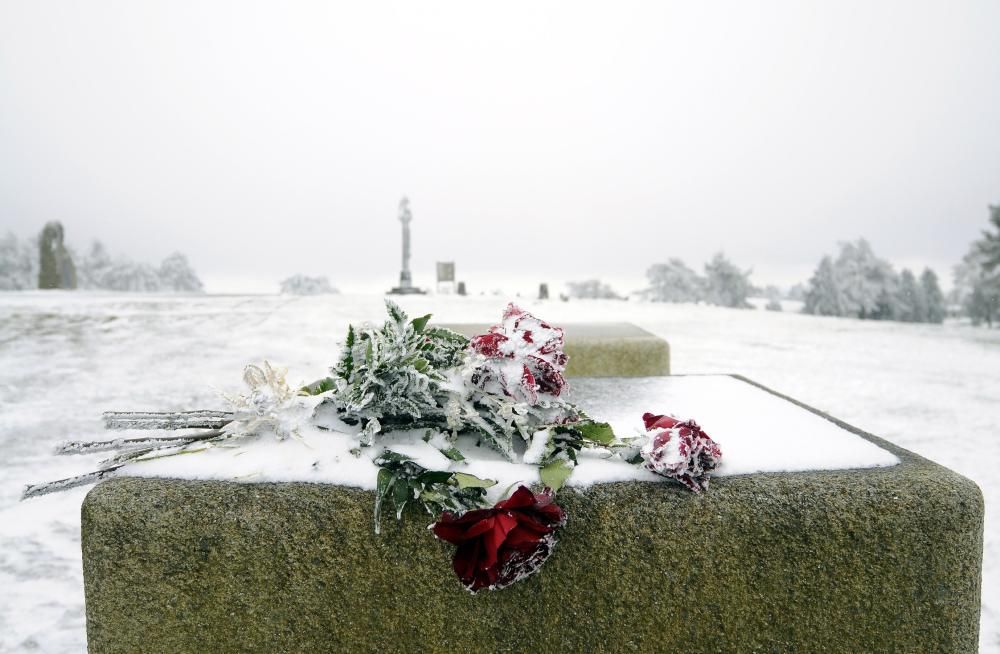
66, 357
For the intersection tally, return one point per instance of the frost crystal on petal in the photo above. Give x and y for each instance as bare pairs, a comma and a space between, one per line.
521, 358
680, 450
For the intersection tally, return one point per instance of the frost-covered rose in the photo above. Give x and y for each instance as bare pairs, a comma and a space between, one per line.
502, 545
679, 450
521, 358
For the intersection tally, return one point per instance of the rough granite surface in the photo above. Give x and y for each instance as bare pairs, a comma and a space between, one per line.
612, 349
875, 560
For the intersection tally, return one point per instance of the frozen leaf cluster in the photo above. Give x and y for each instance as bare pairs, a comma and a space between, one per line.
402, 481
393, 375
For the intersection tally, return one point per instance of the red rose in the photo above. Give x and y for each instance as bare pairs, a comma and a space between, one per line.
680, 450
507, 543
523, 357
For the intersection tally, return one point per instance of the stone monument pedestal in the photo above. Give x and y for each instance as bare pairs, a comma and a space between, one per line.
406, 290
855, 560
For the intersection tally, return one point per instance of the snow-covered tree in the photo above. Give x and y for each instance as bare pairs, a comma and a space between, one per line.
824, 298
674, 282
933, 297
772, 292
910, 304
303, 285
856, 284
725, 284
976, 289
989, 244
859, 284
99, 270
868, 284
797, 293
129, 276
18, 264
592, 289
94, 266
977, 277
176, 275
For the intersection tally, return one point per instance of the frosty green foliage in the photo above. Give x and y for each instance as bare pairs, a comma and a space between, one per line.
401, 481
394, 372
406, 374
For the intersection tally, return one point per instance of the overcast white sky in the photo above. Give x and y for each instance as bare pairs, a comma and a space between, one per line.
536, 140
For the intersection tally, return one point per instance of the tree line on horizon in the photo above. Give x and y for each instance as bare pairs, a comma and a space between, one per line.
48, 263
856, 284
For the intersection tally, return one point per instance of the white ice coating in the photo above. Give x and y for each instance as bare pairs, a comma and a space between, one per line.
757, 431
536, 449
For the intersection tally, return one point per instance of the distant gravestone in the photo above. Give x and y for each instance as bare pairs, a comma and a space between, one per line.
445, 276
543, 291
461, 289
56, 269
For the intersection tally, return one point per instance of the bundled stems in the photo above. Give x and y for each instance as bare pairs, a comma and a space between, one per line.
203, 419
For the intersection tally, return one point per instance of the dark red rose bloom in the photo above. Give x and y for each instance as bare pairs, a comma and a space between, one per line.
507, 543
680, 450
523, 357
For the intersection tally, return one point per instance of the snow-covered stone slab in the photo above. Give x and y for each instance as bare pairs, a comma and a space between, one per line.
829, 540
759, 432
603, 349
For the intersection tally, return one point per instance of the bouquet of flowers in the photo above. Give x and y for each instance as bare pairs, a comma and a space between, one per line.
505, 388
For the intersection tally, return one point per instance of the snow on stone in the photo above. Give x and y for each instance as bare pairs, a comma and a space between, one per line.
758, 432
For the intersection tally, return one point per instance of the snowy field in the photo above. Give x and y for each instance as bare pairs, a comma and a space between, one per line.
66, 357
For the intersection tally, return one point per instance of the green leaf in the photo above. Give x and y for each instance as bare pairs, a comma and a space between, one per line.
395, 312
420, 323
597, 432
318, 387
465, 480
434, 477
401, 494
453, 454
555, 474
420, 364
346, 365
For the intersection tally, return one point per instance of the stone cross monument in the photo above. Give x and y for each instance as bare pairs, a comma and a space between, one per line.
405, 217
406, 286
